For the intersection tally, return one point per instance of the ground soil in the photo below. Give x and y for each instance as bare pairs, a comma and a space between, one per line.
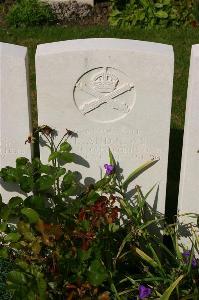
99, 14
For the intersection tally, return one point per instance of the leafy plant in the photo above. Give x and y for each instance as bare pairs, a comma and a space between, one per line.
73, 241
30, 13
151, 13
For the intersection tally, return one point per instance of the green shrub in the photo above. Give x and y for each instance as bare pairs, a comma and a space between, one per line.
30, 13
91, 242
151, 13
5, 268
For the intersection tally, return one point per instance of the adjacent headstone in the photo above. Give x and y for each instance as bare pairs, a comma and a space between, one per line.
112, 93
14, 108
189, 178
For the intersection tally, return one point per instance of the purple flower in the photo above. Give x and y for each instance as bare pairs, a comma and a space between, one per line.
144, 292
187, 255
109, 169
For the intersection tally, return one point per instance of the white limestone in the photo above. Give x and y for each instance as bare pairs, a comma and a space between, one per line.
91, 2
14, 107
189, 178
112, 93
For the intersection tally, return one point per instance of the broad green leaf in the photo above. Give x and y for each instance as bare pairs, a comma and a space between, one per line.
21, 161
66, 157
168, 292
97, 273
84, 255
26, 184
53, 156
14, 202
9, 174
60, 172
4, 252
65, 147
102, 182
42, 286
162, 14
145, 257
31, 214
16, 277
12, 237
3, 226
5, 212
138, 171
45, 182
22, 264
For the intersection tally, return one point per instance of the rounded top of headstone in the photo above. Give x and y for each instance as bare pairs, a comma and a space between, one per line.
104, 43
12, 50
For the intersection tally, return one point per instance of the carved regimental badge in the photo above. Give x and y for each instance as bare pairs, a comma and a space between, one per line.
104, 94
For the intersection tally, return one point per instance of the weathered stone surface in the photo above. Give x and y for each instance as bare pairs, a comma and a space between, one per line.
189, 184
112, 93
14, 118
91, 2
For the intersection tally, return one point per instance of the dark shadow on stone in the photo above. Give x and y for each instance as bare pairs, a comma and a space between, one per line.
11, 187
78, 175
130, 193
173, 177
89, 181
80, 161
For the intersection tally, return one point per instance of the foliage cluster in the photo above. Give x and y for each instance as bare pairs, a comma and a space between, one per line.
153, 13
71, 11
30, 13
70, 241
5, 268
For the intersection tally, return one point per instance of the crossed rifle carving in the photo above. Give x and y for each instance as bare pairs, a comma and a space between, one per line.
99, 100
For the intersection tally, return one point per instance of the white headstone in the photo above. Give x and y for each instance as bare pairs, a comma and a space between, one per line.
14, 110
189, 178
112, 93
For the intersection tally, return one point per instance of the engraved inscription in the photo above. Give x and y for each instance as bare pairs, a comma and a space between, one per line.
130, 143
104, 94
9, 148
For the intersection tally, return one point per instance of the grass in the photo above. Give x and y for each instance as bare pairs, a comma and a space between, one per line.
182, 39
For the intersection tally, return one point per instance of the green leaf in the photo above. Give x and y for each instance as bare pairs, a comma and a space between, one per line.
42, 286
138, 172
168, 292
5, 212
31, 214
3, 226
97, 273
12, 237
4, 252
21, 161
15, 202
26, 184
53, 156
85, 225
103, 182
162, 14
60, 172
111, 158
8, 174
66, 157
145, 257
65, 147
45, 182
16, 277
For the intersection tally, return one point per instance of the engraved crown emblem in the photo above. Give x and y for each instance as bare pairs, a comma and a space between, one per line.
105, 82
